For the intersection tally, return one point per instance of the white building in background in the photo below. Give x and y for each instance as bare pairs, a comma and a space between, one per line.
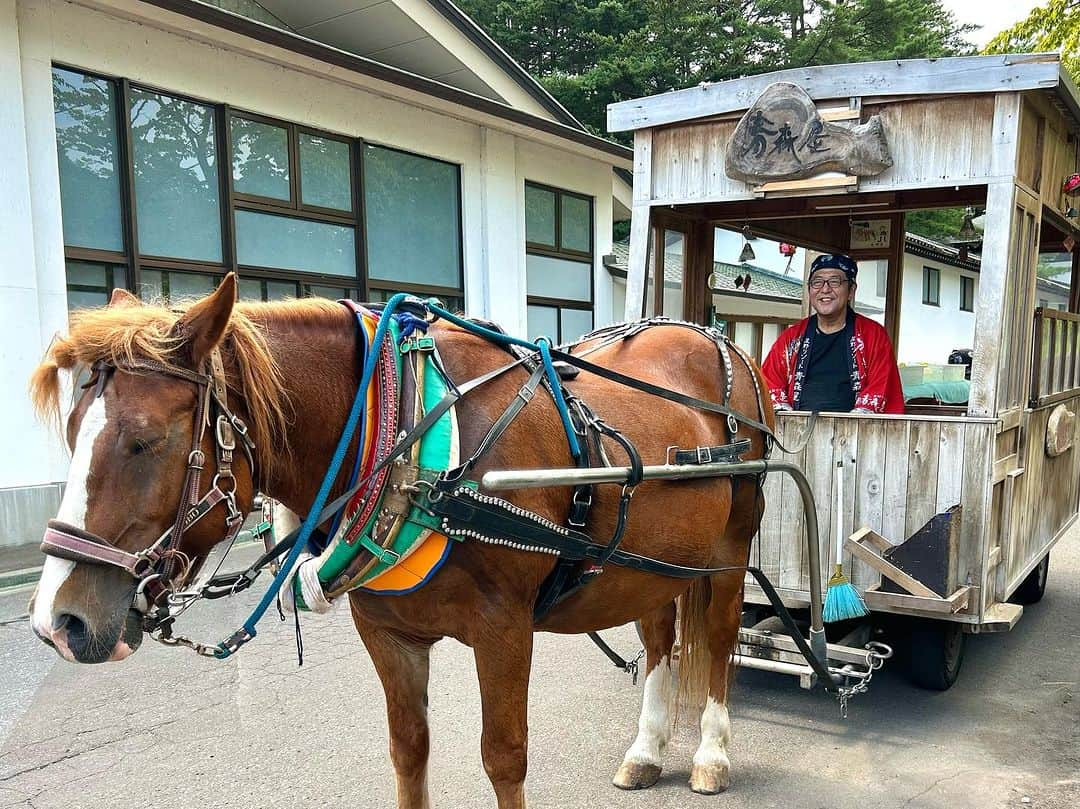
330, 147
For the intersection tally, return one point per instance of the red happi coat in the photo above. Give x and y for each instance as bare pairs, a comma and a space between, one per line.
875, 380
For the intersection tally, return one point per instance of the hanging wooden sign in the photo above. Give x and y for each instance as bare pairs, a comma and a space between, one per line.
783, 137
870, 234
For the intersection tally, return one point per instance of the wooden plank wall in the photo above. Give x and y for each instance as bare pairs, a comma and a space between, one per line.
1045, 498
898, 473
933, 141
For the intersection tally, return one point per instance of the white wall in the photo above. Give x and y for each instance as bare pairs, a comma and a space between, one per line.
495, 162
931, 333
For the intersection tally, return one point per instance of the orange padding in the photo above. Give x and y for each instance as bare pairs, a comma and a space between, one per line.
411, 571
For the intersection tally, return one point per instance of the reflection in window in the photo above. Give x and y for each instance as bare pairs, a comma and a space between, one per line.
86, 146
560, 323
576, 219
325, 173
166, 286
91, 284
412, 207
176, 177
260, 159
539, 216
282, 242
257, 289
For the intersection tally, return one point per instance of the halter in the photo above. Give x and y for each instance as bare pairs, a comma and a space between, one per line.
154, 568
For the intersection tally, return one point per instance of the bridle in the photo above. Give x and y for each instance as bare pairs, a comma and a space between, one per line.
155, 567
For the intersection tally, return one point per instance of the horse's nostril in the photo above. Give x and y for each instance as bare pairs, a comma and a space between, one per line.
75, 628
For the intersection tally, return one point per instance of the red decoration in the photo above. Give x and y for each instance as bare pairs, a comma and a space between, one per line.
1071, 186
787, 249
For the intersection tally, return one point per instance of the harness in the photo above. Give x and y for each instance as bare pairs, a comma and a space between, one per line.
154, 569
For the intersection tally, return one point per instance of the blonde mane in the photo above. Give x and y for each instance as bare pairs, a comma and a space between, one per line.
121, 334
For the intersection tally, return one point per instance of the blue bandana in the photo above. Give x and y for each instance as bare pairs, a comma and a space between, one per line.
835, 261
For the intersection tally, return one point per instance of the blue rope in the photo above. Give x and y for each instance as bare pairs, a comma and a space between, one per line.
542, 344
336, 522
331, 475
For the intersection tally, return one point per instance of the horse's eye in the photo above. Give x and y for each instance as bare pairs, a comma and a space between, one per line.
141, 445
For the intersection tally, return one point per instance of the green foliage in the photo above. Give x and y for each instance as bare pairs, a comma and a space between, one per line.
1053, 26
935, 223
590, 53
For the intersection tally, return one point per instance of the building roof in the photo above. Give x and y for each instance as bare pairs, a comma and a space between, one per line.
946, 254
420, 64
947, 76
762, 281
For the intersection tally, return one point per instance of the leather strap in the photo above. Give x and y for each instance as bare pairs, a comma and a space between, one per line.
725, 453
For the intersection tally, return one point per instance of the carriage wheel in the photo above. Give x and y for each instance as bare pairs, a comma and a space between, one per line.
936, 654
1033, 587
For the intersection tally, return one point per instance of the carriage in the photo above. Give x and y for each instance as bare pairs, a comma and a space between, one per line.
948, 513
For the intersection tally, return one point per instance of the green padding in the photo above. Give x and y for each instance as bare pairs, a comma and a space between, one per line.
953, 391
435, 448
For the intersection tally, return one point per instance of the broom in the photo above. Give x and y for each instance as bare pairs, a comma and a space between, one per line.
842, 600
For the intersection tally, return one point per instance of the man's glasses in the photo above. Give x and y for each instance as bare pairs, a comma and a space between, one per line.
834, 283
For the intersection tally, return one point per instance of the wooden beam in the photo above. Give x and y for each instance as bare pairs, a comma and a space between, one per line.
822, 183
894, 280
923, 77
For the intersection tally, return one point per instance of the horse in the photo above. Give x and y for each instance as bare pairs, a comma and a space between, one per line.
290, 370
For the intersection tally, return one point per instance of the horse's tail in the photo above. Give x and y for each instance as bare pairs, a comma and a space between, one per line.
695, 657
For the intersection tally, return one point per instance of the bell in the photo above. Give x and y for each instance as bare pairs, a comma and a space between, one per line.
747, 253
967, 228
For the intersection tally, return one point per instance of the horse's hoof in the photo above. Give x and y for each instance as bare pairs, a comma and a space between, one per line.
633, 775
709, 780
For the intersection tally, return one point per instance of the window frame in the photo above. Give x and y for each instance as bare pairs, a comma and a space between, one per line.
926, 276
560, 252
967, 284
132, 260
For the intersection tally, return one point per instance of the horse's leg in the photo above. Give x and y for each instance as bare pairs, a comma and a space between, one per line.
503, 661
402, 666
641, 765
710, 772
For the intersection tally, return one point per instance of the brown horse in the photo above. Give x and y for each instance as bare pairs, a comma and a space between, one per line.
289, 368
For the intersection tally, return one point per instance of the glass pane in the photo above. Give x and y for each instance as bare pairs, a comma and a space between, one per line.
250, 289
539, 215
169, 286
85, 112
558, 278
266, 240
90, 284
575, 323
260, 159
280, 290
543, 321
333, 293
450, 303
576, 224
413, 218
176, 177
325, 175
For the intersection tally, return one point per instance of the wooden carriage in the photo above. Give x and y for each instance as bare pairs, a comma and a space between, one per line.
949, 512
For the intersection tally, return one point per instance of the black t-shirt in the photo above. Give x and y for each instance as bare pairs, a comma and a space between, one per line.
827, 382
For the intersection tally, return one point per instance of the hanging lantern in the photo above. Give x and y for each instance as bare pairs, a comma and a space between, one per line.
787, 249
1071, 186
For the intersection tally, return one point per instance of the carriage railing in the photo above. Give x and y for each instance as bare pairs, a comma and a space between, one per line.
1055, 373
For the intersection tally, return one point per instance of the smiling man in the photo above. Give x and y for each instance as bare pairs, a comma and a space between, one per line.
835, 360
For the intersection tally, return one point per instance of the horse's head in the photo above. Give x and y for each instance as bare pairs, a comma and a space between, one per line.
139, 430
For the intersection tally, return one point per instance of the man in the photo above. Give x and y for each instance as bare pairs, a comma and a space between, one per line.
834, 360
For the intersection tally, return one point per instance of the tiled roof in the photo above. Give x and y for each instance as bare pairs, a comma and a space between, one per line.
762, 281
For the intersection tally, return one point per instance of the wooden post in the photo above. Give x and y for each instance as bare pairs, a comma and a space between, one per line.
638, 260
894, 280
697, 266
1074, 283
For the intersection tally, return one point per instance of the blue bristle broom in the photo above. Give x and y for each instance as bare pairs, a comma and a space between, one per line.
842, 600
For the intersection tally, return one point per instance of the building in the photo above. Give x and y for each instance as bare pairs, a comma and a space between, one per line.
331, 147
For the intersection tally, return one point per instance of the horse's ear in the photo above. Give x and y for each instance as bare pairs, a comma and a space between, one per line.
203, 325
121, 297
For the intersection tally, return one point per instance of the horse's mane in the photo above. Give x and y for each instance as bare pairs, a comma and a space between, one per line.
120, 335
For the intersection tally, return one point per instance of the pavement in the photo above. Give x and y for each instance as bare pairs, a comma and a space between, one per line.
168, 729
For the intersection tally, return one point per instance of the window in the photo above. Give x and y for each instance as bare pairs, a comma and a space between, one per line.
881, 287
967, 293
1044, 303
146, 206
558, 263
412, 206
931, 286
174, 155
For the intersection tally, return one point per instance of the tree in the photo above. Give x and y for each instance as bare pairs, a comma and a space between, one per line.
590, 53
1054, 26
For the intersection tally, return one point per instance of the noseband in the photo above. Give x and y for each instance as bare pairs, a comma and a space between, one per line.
154, 568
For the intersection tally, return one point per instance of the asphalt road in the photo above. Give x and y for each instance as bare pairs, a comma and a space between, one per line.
168, 729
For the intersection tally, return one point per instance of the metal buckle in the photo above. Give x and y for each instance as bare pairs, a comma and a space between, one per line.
704, 455
732, 424
223, 443
197, 459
